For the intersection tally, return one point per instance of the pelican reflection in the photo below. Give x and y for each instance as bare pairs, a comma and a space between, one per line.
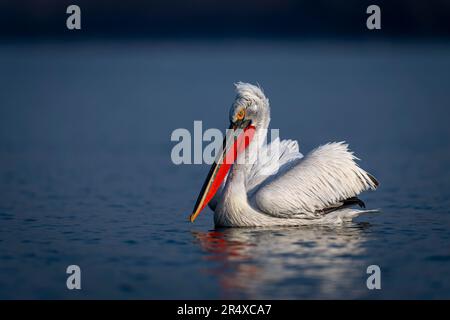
314, 261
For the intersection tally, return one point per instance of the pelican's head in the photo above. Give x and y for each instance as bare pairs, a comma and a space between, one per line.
249, 112
250, 107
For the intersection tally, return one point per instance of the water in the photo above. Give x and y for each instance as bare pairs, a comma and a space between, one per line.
86, 176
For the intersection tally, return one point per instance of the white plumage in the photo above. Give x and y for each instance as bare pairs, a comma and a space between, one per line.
286, 188
321, 180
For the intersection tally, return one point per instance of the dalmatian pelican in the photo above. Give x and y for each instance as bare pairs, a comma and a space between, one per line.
247, 186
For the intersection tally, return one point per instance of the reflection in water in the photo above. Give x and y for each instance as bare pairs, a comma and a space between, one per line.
314, 262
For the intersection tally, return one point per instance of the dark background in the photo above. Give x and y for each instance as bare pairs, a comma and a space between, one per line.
231, 18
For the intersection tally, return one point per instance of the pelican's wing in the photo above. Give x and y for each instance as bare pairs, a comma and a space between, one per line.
272, 158
322, 180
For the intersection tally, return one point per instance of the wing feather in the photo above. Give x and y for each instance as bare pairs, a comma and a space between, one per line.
266, 164
325, 177
271, 159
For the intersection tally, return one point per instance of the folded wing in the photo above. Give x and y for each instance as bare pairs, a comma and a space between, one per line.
272, 159
322, 180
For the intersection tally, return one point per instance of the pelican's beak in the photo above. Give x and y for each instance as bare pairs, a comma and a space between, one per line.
236, 141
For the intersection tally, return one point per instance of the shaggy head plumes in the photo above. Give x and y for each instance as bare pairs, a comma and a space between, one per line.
250, 104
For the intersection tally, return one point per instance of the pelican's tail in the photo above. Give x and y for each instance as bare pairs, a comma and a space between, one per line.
344, 215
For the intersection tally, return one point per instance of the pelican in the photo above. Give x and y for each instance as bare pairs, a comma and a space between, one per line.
247, 186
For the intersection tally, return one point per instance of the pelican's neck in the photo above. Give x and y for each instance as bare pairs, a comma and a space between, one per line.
246, 159
233, 207
235, 191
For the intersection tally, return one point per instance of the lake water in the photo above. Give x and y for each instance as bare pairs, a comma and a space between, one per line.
86, 176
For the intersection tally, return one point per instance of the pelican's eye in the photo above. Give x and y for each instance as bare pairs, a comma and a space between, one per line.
240, 115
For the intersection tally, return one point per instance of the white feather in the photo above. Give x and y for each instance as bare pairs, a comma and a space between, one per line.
265, 165
269, 163
322, 179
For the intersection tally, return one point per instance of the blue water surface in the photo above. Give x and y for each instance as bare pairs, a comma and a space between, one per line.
86, 176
